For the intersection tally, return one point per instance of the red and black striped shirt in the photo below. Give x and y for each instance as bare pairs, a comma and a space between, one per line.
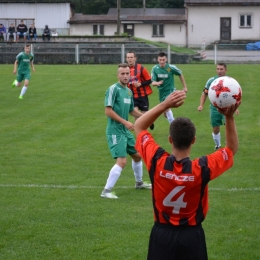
140, 74
180, 188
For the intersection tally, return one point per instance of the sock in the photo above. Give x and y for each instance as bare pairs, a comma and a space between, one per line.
114, 174
169, 116
216, 139
23, 91
16, 83
138, 170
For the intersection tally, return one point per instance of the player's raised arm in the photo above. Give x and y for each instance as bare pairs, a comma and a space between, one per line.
231, 132
174, 100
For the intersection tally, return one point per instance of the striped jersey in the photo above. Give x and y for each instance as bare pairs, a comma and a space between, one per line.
140, 74
121, 100
180, 188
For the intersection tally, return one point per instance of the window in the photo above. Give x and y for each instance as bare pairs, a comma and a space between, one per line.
98, 29
245, 20
158, 30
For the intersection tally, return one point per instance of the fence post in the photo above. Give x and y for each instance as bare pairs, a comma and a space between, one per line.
169, 53
215, 53
123, 53
77, 53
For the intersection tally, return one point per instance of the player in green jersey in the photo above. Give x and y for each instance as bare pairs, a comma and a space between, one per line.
23, 60
118, 104
216, 119
163, 78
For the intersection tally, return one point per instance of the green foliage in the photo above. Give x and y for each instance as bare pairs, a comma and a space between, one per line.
55, 162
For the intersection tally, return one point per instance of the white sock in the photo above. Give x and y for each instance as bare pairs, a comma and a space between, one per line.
217, 139
23, 91
114, 174
138, 170
169, 116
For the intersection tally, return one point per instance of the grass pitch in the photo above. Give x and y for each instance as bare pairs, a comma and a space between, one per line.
54, 163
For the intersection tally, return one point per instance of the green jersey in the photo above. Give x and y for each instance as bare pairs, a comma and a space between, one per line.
206, 90
120, 99
24, 62
166, 74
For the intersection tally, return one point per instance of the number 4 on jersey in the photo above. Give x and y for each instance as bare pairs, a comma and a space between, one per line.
177, 204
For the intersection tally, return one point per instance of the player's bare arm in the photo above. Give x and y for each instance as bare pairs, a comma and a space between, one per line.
231, 132
32, 66
15, 67
202, 101
182, 79
174, 100
157, 83
112, 114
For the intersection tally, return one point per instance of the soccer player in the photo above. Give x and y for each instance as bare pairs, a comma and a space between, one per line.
163, 78
179, 184
118, 104
216, 119
23, 61
139, 83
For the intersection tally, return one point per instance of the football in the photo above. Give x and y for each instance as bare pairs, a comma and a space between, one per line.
224, 91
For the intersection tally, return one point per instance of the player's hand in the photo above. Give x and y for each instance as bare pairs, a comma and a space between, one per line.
231, 110
129, 125
175, 99
185, 89
200, 108
136, 84
14, 71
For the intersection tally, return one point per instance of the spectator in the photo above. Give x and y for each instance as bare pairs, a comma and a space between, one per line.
22, 30
32, 33
2, 31
11, 32
46, 33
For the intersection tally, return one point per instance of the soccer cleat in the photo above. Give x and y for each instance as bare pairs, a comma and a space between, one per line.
217, 147
152, 126
143, 185
20, 97
14, 83
108, 195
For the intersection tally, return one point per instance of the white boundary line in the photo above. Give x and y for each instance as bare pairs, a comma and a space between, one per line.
53, 186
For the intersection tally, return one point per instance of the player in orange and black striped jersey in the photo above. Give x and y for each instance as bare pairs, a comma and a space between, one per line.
139, 83
179, 184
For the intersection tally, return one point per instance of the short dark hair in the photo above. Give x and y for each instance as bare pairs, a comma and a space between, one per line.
182, 132
123, 65
27, 45
222, 64
162, 54
131, 52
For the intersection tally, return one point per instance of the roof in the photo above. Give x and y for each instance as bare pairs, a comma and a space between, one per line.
133, 15
222, 2
147, 11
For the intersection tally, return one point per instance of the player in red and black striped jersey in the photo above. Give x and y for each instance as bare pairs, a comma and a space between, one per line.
179, 184
139, 83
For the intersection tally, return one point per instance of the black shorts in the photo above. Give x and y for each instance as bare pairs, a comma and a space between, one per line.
142, 103
177, 242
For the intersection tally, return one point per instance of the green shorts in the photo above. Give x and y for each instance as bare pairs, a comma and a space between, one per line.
121, 145
22, 76
164, 94
216, 119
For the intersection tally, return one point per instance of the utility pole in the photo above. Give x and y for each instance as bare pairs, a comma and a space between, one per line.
118, 16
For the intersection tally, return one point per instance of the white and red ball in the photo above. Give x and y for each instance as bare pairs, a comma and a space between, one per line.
224, 91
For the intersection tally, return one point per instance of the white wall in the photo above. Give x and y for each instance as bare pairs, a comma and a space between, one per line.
55, 15
87, 29
204, 22
174, 34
